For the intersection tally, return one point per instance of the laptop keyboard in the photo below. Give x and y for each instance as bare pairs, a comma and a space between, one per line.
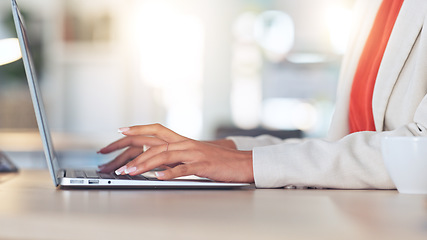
98, 175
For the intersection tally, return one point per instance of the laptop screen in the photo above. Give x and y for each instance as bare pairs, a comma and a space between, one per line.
35, 92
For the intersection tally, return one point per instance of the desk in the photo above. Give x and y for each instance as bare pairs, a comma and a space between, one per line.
31, 208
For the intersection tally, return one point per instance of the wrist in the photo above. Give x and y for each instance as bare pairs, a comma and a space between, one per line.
224, 143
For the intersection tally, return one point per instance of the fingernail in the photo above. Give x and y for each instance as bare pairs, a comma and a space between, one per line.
159, 174
145, 148
123, 129
120, 170
130, 170
102, 166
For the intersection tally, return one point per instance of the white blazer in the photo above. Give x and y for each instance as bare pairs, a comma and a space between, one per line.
354, 161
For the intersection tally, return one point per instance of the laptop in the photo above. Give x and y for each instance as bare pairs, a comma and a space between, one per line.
75, 178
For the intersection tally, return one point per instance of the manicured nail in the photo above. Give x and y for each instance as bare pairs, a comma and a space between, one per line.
120, 170
159, 174
130, 170
145, 148
123, 129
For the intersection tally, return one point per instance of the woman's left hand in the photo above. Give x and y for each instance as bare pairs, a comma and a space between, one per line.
187, 156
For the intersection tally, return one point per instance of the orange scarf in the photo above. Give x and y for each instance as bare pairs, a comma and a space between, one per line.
360, 112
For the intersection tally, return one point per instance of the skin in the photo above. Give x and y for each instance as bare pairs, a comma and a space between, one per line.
178, 155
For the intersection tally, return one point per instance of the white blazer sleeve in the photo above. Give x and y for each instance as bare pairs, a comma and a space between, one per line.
354, 162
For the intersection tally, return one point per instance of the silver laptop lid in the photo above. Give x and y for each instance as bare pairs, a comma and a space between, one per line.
36, 97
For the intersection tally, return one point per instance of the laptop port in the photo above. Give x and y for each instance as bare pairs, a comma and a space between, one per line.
76, 181
93, 181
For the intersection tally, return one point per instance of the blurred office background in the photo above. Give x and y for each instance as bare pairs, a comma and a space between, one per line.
196, 66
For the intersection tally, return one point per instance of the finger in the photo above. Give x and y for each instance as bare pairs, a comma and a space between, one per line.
179, 171
120, 160
156, 130
155, 157
155, 150
152, 151
135, 141
165, 158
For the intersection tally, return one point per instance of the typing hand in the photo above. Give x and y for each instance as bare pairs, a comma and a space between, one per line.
180, 156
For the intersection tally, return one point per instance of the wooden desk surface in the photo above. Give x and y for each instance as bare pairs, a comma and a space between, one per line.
31, 208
